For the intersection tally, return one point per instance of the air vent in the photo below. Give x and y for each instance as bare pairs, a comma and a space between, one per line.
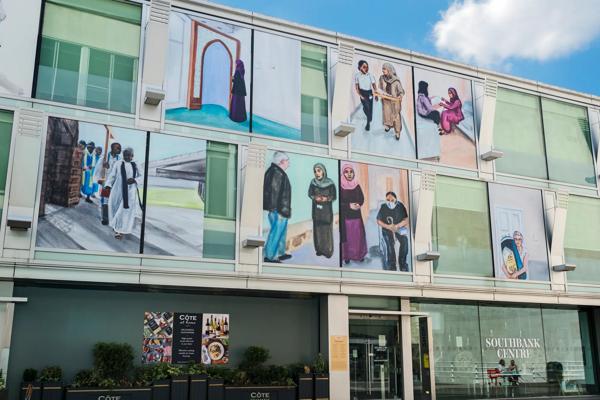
491, 87
428, 180
31, 122
345, 54
159, 11
256, 155
562, 199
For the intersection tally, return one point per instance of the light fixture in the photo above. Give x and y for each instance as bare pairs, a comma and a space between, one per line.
253, 241
153, 96
492, 155
18, 223
343, 129
428, 256
564, 267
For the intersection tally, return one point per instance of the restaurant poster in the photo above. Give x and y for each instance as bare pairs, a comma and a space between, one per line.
215, 339
184, 338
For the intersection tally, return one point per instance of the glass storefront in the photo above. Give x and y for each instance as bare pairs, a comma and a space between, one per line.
492, 351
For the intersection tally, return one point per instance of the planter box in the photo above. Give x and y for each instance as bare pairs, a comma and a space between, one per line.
161, 390
260, 392
216, 389
198, 387
179, 387
52, 391
142, 393
36, 390
321, 386
3, 394
306, 388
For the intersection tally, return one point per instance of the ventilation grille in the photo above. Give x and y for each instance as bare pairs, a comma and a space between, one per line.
256, 155
491, 87
562, 199
428, 180
30, 122
345, 54
159, 11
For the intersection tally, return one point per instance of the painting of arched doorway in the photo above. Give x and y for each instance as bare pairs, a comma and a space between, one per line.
211, 67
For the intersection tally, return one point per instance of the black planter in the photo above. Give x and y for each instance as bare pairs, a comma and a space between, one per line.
305, 387
3, 394
321, 386
198, 387
52, 391
36, 390
161, 390
179, 387
93, 393
260, 392
216, 389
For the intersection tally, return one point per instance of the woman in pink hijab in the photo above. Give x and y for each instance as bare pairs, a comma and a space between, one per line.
452, 115
353, 237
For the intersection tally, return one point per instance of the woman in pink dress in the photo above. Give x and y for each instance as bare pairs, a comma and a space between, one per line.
452, 115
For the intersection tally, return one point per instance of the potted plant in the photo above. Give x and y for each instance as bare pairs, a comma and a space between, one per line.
51, 378
198, 382
3, 392
304, 379
216, 382
31, 387
321, 378
161, 382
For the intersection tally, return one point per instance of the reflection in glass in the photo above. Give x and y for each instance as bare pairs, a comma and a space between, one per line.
461, 228
518, 133
582, 247
6, 119
568, 143
314, 93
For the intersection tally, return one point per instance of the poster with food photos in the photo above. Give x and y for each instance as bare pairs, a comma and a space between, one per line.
215, 339
158, 337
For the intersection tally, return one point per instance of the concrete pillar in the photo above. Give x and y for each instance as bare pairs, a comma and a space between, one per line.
425, 182
338, 347
486, 130
341, 98
156, 50
557, 204
253, 172
6, 319
406, 335
22, 179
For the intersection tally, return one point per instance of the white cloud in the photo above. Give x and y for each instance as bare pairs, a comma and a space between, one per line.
489, 32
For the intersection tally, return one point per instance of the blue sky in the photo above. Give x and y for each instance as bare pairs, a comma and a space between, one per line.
552, 41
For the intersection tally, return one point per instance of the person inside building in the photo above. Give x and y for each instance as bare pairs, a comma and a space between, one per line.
124, 203
237, 111
352, 228
277, 200
88, 163
393, 220
391, 101
364, 83
322, 192
513, 373
425, 108
100, 175
452, 115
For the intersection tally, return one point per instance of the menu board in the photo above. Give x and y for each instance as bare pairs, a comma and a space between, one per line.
183, 338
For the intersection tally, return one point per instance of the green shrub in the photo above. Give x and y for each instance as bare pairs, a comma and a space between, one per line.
254, 357
30, 375
113, 360
86, 378
51, 374
196, 369
143, 376
320, 365
2, 381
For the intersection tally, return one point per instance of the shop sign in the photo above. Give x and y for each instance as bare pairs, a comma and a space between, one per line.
513, 347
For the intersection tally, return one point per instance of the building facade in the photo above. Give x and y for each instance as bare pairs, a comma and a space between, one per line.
413, 219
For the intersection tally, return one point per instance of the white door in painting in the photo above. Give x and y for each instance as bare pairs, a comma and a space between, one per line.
216, 79
507, 221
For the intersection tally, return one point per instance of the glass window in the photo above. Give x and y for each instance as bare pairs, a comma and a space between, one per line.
582, 247
314, 93
457, 348
518, 133
89, 53
220, 200
6, 119
461, 228
568, 351
568, 143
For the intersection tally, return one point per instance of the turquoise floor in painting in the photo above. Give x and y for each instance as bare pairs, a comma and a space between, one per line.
218, 116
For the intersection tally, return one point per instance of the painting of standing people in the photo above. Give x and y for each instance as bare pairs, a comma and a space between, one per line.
208, 72
301, 210
91, 197
381, 107
445, 119
374, 217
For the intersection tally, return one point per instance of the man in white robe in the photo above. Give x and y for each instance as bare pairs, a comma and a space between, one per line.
124, 202
101, 175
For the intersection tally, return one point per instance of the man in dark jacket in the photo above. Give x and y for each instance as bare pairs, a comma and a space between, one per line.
393, 219
277, 200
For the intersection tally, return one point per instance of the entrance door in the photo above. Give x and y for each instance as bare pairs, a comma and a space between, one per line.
422, 358
375, 358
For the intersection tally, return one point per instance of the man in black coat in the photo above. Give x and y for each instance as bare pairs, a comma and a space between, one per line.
277, 200
393, 219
